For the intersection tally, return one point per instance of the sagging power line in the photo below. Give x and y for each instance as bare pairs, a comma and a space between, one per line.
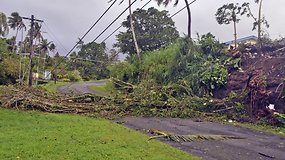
85, 34
122, 25
141, 9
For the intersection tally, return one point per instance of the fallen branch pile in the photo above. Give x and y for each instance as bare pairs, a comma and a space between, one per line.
36, 99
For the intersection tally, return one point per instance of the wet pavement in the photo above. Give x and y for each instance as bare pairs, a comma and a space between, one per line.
256, 145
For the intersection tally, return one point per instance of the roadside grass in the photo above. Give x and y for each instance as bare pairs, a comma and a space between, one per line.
52, 87
34, 135
100, 89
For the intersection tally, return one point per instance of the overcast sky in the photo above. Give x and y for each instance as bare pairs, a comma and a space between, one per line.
69, 19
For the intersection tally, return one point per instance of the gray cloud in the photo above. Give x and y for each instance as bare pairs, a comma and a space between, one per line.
70, 19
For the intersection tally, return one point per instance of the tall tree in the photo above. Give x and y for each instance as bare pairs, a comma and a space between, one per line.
37, 32
133, 30
4, 29
259, 18
166, 2
93, 61
16, 23
44, 48
154, 28
230, 13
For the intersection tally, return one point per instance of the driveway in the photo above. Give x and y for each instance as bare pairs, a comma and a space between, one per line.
81, 88
256, 145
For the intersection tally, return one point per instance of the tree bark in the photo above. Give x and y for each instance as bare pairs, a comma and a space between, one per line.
189, 18
133, 30
235, 33
14, 46
259, 24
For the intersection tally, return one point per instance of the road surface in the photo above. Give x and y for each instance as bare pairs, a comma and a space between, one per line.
256, 145
81, 88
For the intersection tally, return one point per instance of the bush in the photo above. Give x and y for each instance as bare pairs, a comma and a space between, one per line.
123, 71
74, 76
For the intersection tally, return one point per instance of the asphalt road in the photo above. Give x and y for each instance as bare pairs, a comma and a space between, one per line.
81, 88
256, 145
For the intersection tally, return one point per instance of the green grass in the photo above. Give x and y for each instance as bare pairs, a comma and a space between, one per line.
34, 135
100, 89
51, 87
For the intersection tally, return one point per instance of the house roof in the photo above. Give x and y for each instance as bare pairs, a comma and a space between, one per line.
241, 40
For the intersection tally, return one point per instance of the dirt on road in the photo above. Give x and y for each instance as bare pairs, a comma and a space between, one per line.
256, 145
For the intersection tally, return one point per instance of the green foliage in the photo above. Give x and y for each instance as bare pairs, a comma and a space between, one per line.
4, 29
210, 46
202, 66
123, 71
91, 61
74, 76
155, 65
215, 74
154, 29
229, 13
9, 65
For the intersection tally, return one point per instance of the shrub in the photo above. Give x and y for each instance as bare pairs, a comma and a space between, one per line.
74, 76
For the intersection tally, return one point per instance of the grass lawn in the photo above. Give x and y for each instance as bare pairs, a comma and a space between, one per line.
51, 87
100, 89
34, 135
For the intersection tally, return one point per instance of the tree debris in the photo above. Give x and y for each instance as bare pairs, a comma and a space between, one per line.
188, 138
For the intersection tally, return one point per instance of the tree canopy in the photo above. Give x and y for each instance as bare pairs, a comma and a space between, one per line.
91, 61
154, 29
4, 28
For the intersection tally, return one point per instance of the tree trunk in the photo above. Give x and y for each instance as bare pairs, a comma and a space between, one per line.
259, 24
133, 30
189, 18
14, 46
235, 33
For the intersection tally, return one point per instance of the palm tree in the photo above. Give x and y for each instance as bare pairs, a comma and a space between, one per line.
4, 29
44, 48
16, 23
37, 32
166, 2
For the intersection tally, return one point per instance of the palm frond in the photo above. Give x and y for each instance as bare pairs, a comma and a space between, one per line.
189, 138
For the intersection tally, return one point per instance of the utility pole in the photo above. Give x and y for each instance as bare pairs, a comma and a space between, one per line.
32, 19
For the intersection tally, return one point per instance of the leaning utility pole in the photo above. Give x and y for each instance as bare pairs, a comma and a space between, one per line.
32, 19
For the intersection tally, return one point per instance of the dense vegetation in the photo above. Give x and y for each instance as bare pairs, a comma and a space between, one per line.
161, 68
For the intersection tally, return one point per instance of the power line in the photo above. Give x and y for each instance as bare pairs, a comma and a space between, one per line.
114, 21
86, 33
122, 25
52, 35
182, 8
141, 9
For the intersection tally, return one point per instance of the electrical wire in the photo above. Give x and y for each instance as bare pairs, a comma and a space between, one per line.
182, 8
113, 21
52, 35
86, 34
122, 25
